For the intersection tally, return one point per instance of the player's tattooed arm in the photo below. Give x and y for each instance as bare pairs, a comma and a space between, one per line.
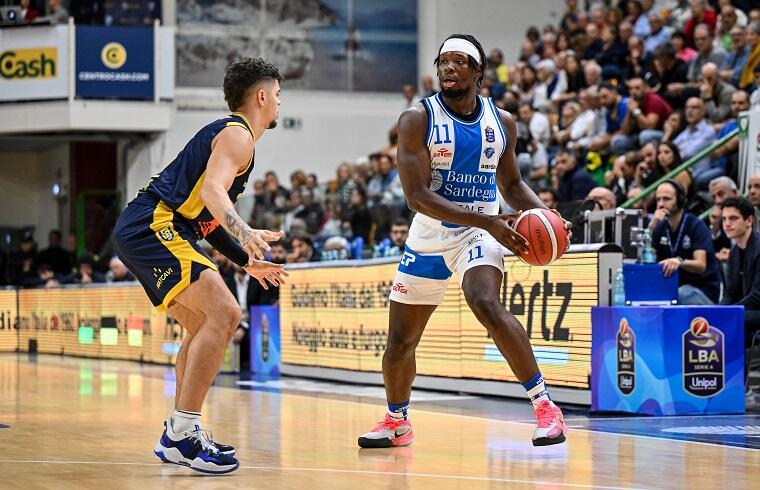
229, 155
237, 227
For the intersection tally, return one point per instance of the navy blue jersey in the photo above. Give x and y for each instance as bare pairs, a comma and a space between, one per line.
179, 184
692, 234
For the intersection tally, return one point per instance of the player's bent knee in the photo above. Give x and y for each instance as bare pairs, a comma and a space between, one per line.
230, 314
486, 309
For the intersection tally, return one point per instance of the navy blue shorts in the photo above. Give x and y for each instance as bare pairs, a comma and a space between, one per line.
159, 248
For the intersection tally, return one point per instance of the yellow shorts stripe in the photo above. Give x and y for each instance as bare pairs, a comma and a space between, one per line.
180, 248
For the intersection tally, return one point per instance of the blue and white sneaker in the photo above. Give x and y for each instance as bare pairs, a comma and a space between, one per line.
194, 449
222, 448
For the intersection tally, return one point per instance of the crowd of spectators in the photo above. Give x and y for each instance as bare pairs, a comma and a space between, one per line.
37, 12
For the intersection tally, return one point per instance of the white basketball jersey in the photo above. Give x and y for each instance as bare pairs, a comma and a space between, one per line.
464, 156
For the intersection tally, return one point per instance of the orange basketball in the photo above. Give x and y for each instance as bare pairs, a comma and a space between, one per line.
546, 235
699, 326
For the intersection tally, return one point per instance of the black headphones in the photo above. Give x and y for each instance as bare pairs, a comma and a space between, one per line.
680, 192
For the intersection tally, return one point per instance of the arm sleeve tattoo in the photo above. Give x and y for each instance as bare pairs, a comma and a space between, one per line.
237, 227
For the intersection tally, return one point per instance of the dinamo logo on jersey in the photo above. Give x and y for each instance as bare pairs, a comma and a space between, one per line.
490, 134
626, 356
703, 358
166, 233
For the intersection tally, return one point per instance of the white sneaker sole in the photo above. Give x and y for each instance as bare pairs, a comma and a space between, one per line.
174, 456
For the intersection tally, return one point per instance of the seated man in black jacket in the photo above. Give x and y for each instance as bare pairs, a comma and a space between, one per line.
743, 281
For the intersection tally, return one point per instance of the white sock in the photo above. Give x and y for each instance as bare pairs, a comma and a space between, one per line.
538, 394
182, 420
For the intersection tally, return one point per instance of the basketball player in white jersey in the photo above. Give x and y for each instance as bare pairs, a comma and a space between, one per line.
455, 149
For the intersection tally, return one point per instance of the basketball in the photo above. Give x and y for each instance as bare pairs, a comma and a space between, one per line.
699, 326
546, 235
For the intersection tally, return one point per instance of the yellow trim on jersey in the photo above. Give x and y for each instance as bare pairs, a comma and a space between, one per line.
250, 128
193, 205
180, 248
250, 160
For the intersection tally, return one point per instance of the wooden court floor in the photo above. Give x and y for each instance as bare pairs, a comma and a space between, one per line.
85, 424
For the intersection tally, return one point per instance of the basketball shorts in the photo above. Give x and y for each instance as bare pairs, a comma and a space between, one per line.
159, 247
432, 254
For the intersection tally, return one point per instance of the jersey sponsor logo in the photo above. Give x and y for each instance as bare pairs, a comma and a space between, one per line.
443, 152
489, 152
436, 180
686, 242
490, 134
398, 287
442, 159
480, 207
476, 186
407, 259
166, 233
161, 275
208, 226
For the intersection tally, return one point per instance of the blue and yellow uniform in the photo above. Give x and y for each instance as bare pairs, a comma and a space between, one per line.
156, 235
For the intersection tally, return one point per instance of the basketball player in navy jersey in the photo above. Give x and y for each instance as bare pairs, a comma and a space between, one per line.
455, 149
156, 238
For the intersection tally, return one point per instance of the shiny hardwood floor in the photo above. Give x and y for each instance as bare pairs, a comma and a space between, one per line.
86, 424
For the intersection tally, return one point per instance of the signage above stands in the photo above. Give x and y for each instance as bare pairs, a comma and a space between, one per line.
86, 78
115, 62
34, 63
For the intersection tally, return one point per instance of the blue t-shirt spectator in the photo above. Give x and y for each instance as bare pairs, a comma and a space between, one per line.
722, 161
691, 140
735, 62
615, 118
656, 39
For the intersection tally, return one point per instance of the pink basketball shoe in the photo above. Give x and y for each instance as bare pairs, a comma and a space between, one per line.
388, 433
551, 427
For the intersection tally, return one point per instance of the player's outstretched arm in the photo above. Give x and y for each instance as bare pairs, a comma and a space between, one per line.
414, 171
231, 152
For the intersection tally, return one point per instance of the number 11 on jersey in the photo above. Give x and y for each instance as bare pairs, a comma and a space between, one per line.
475, 253
437, 130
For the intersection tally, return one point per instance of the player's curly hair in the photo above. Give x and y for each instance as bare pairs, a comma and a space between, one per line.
473, 62
244, 73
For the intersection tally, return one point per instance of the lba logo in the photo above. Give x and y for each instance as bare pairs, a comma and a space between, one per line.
703, 358
626, 357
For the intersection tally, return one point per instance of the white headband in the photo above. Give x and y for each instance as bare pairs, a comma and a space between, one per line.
461, 46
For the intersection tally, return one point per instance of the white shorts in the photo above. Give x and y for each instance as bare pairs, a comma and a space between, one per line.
431, 255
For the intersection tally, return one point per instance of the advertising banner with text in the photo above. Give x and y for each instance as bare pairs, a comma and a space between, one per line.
34, 63
115, 62
338, 317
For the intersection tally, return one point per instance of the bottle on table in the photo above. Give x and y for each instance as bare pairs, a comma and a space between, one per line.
618, 289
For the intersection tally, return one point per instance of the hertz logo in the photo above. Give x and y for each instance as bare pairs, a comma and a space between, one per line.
113, 55
20, 64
